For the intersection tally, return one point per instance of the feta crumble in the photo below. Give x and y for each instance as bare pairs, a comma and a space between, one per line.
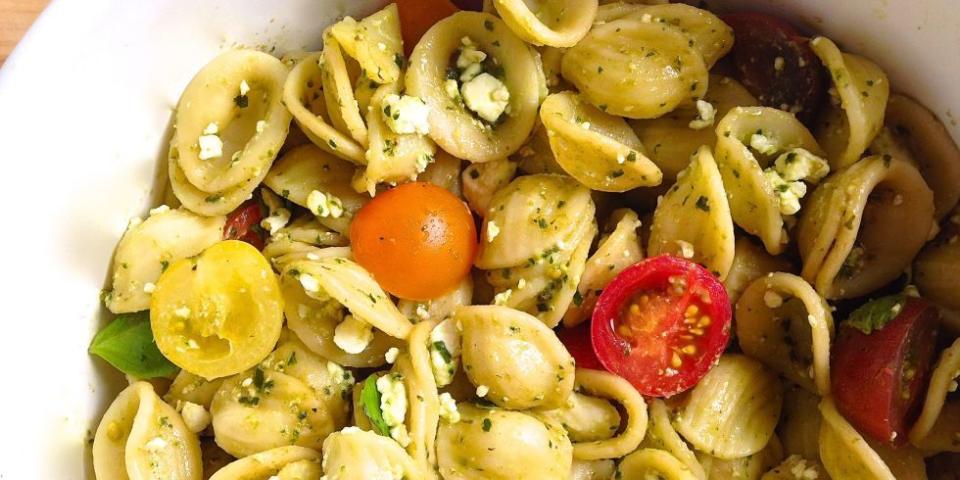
448, 408
486, 96
210, 144
353, 335
706, 114
391, 355
444, 348
787, 176
405, 114
393, 406
763, 144
492, 230
244, 88
196, 418
324, 204
482, 391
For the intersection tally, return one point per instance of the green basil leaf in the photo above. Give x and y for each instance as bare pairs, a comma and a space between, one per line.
370, 400
127, 344
875, 314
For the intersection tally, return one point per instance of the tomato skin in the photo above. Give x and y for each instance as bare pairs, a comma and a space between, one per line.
800, 83
417, 16
577, 341
244, 224
417, 240
646, 360
868, 370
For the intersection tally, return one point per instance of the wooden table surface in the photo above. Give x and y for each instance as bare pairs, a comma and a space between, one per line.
16, 16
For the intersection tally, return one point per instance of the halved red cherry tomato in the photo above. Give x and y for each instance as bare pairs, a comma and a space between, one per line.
417, 16
577, 341
878, 377
661, 324
418, 240
244, 224
775, 62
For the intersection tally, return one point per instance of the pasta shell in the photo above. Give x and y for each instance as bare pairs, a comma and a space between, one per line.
794, 467
942, 381
670, 140
799, 427
423, 412
308, 168
753, 201
441, 307
188, 387
617, 250
274, 463
592, 470
635, 69
653, 463
148, 247
732, 412
845, 131
374, 42
935, 268
294, 397
844, 452
705, 31
495, 444
607, 385
338, 77
444, 171
693, 220
597, 149
917, 130
662, 436
535, 156
863, 225
355, 454
586, 418
482, 180
516, 356
210, 99
556, 24
140, 436
303, 96
784, 323
207, 203
750, 262
452, 126
748, 468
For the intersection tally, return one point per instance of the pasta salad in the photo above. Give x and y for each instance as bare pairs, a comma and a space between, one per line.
552, 239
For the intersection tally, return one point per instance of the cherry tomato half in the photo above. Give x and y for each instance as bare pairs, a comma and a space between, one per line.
417, 16
776, 64
878, 377
661, 324
418, 240
577, 341
244, 224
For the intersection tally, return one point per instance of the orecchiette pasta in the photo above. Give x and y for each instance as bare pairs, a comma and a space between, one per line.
453, 125
187, 387
374, 42
553, 23
281, 463
149, 246
609, 386
751, 467
661, 435
750, 139
863, 225
592, 470
693, 219
586, 418
848, 128
224, 146
653, 463
596, 148
782, 321
795, 467
491, 444
636, 69
732, 412
844, 453
799, 428
707, 34
935, 268
513, 354
140, 436
354, 454
445, 172
338, 75
750, 262
482, 180
943, 380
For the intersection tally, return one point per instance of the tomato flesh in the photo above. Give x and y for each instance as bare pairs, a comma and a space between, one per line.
878, 378
417, 240
775, 63
417, 16
661, 324
244, 224
577, 341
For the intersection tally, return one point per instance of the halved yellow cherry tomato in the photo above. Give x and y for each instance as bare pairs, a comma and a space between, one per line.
218, 313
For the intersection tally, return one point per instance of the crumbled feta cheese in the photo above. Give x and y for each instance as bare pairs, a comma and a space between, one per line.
338, 374
470, 60
244, 88
452, 88
149, 287
799, 164
391, 355
763, 144
210, 144
778, 63
353, 335
405, 114
521, 283
706, 114
324, 204
195, 417
788, 193
492, 230
503, 297
309, 282
261, 126
646, 18
393, 405
277, 220
686, 249
772, 299
182, 312
482, 391
159, 210
422, 311
486, 96
155, 444
133, 222
448, 408
444, 348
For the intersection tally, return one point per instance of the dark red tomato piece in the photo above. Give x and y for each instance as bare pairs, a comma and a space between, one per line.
880, 364
244, 224
661, 324
417, 16
775, 63
577, 341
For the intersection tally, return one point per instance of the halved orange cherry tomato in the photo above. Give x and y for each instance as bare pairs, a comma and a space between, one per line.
661, 324
244, 224
417, 16
879, 378
418, 240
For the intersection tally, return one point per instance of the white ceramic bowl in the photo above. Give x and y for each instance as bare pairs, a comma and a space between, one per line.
85, 105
